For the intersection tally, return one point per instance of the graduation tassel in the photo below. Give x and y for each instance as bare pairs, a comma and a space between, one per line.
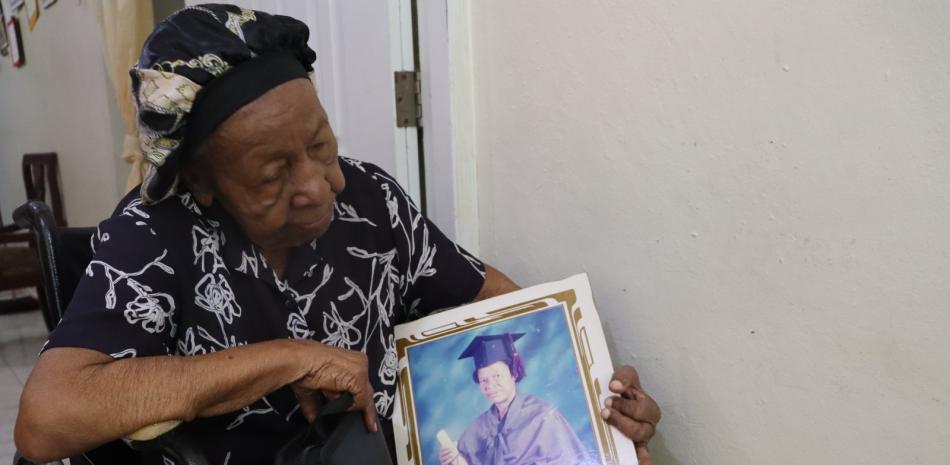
517, 364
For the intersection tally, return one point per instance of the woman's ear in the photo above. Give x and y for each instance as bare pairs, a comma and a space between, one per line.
198, 183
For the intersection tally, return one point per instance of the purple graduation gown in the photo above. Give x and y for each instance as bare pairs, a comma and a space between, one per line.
532, 433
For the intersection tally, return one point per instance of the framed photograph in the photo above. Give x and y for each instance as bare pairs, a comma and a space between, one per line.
15, 44
519, 378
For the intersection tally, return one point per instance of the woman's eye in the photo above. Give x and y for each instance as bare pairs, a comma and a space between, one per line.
274, 175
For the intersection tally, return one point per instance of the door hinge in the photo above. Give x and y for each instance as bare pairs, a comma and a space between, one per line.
408, 100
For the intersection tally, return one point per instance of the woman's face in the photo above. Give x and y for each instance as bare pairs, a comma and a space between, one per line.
497, 383
273, 166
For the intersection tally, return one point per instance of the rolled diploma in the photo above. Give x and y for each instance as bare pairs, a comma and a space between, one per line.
446, 441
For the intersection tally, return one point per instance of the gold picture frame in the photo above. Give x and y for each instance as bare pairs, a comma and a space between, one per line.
592, 359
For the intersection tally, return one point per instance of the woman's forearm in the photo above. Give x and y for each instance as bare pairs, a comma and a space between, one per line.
78, 399
496, 283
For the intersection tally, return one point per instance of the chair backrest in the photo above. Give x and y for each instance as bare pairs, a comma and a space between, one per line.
64, 254
41, 180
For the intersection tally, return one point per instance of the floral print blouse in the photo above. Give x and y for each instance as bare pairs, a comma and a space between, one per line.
175, 278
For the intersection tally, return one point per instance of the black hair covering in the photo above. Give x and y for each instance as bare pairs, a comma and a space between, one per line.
199, 66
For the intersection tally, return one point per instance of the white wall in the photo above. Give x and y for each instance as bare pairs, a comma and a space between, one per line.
62, 101
759, 190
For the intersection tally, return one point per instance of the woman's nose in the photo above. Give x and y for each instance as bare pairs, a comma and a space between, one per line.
310, 185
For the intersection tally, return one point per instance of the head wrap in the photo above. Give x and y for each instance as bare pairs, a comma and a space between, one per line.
198, 67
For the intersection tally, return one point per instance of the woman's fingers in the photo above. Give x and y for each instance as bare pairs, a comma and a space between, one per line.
636, 430
369, 417
368, 406
340, 370
634, 413
625, 377
640, 407
308, 401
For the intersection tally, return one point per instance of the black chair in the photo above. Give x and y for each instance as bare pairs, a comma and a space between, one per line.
64, 254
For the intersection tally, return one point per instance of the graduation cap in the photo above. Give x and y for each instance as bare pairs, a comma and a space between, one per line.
492, 348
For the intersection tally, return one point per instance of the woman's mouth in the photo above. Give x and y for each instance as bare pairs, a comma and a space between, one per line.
319, 224
323, 222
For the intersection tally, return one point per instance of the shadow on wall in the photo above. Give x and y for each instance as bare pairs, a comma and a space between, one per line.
659, 453
699, 401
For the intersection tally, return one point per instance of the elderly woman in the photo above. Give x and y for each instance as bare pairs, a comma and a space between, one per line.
253, 269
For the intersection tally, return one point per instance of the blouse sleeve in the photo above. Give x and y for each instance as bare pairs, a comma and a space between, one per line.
435, 272
125, 303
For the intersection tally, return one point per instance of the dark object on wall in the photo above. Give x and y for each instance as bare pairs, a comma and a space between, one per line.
63, 256
336, 437
41, 177
47, 3
15, 42
32, 13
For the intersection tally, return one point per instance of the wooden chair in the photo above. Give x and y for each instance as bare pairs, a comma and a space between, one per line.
41, 177
19, 269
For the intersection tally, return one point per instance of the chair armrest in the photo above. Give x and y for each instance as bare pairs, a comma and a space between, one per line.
162, 438
151, 432
153, 438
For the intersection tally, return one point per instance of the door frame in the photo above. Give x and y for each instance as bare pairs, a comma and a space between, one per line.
448, 118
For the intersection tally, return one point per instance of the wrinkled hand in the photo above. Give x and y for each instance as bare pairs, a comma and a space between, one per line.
332, 371
632, 411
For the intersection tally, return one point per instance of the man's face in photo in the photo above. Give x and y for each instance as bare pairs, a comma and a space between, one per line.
497, 383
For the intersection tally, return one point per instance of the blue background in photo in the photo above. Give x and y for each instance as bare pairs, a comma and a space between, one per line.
446, 397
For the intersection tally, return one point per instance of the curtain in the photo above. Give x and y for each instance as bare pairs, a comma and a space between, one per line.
125, 26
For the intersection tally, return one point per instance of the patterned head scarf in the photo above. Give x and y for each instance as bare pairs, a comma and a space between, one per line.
198, 67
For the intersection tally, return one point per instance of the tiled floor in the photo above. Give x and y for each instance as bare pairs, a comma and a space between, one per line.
21, 337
